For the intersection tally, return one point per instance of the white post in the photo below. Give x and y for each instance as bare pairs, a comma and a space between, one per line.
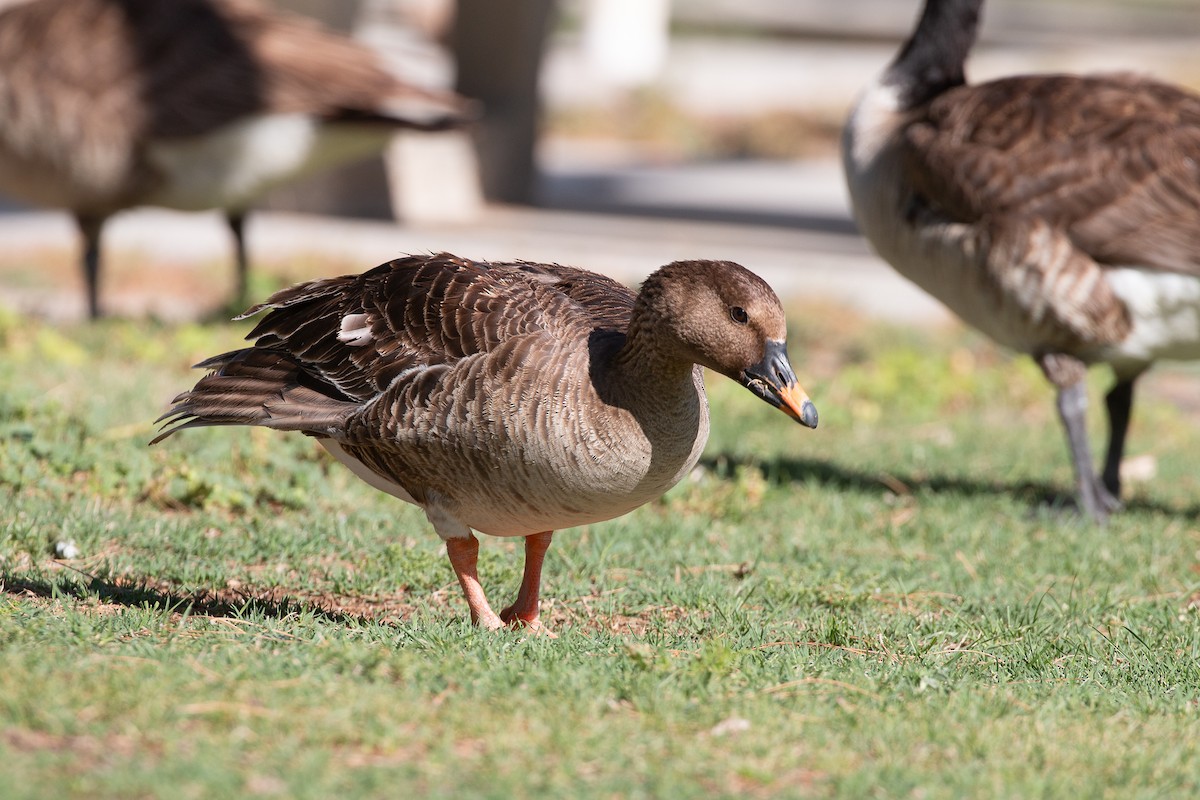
625, 41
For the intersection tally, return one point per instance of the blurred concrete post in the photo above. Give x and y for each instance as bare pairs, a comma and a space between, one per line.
625, 41
498, 47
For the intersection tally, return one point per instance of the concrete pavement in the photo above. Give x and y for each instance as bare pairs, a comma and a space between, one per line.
798, 263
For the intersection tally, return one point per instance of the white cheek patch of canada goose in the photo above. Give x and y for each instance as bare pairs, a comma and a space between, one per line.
512, 399
1058, 214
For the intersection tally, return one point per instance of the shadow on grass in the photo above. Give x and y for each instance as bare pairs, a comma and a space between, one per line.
1038, 495
229, 604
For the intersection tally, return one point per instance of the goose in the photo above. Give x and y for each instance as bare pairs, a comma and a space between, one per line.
1058, 214
508, 398
186, 104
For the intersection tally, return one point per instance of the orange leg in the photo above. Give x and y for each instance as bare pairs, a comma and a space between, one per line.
464, 555
524, 612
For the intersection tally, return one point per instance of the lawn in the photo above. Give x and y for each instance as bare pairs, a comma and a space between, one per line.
899, 604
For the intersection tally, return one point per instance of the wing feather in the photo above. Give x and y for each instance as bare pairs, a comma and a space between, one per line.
1114, 161
333, 346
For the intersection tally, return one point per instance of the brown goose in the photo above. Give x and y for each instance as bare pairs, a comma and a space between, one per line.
1058, 214
514, 399
188, 104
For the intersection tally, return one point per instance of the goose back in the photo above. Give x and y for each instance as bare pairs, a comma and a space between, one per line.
1112, 160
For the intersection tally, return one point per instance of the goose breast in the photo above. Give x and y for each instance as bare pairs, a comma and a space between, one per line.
523, 439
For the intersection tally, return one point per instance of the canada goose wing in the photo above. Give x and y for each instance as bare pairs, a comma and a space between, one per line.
1113, 161
211, 62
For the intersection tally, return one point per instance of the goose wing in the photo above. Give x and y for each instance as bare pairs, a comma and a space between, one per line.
1111, 161
604, 302
255, 61
327, 348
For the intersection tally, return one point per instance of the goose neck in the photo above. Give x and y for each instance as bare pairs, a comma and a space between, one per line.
645, 352
932, 60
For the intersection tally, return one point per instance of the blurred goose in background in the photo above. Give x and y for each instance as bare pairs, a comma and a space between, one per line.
514, 399
1058, 214
188, 104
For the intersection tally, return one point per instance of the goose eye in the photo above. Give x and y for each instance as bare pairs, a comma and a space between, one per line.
739, 315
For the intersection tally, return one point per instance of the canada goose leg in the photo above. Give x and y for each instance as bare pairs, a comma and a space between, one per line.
1119, 401
1094, 498
89, 228
1068, 374
524, 611
237, 224
464, 555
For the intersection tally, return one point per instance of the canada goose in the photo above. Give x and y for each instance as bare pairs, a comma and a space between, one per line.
1058, 214
514, 399
188, 104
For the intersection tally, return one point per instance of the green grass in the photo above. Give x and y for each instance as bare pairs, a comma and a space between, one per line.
895, 605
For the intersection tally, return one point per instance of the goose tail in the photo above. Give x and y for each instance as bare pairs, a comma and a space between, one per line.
257, 386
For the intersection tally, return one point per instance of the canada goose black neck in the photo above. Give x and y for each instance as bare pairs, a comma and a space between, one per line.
932, 59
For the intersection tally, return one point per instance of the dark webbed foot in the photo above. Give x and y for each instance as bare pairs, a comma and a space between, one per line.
1096, 500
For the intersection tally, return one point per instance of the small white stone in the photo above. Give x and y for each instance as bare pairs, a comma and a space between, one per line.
729, 726
66, 549
1139, 469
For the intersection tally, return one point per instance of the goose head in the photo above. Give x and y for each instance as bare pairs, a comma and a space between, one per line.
722, 316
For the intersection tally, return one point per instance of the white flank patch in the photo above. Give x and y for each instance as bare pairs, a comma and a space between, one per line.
232, 166
354, 330
1139, 469
1165, 308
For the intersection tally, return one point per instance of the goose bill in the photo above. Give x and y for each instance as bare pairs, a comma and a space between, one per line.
773, 380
